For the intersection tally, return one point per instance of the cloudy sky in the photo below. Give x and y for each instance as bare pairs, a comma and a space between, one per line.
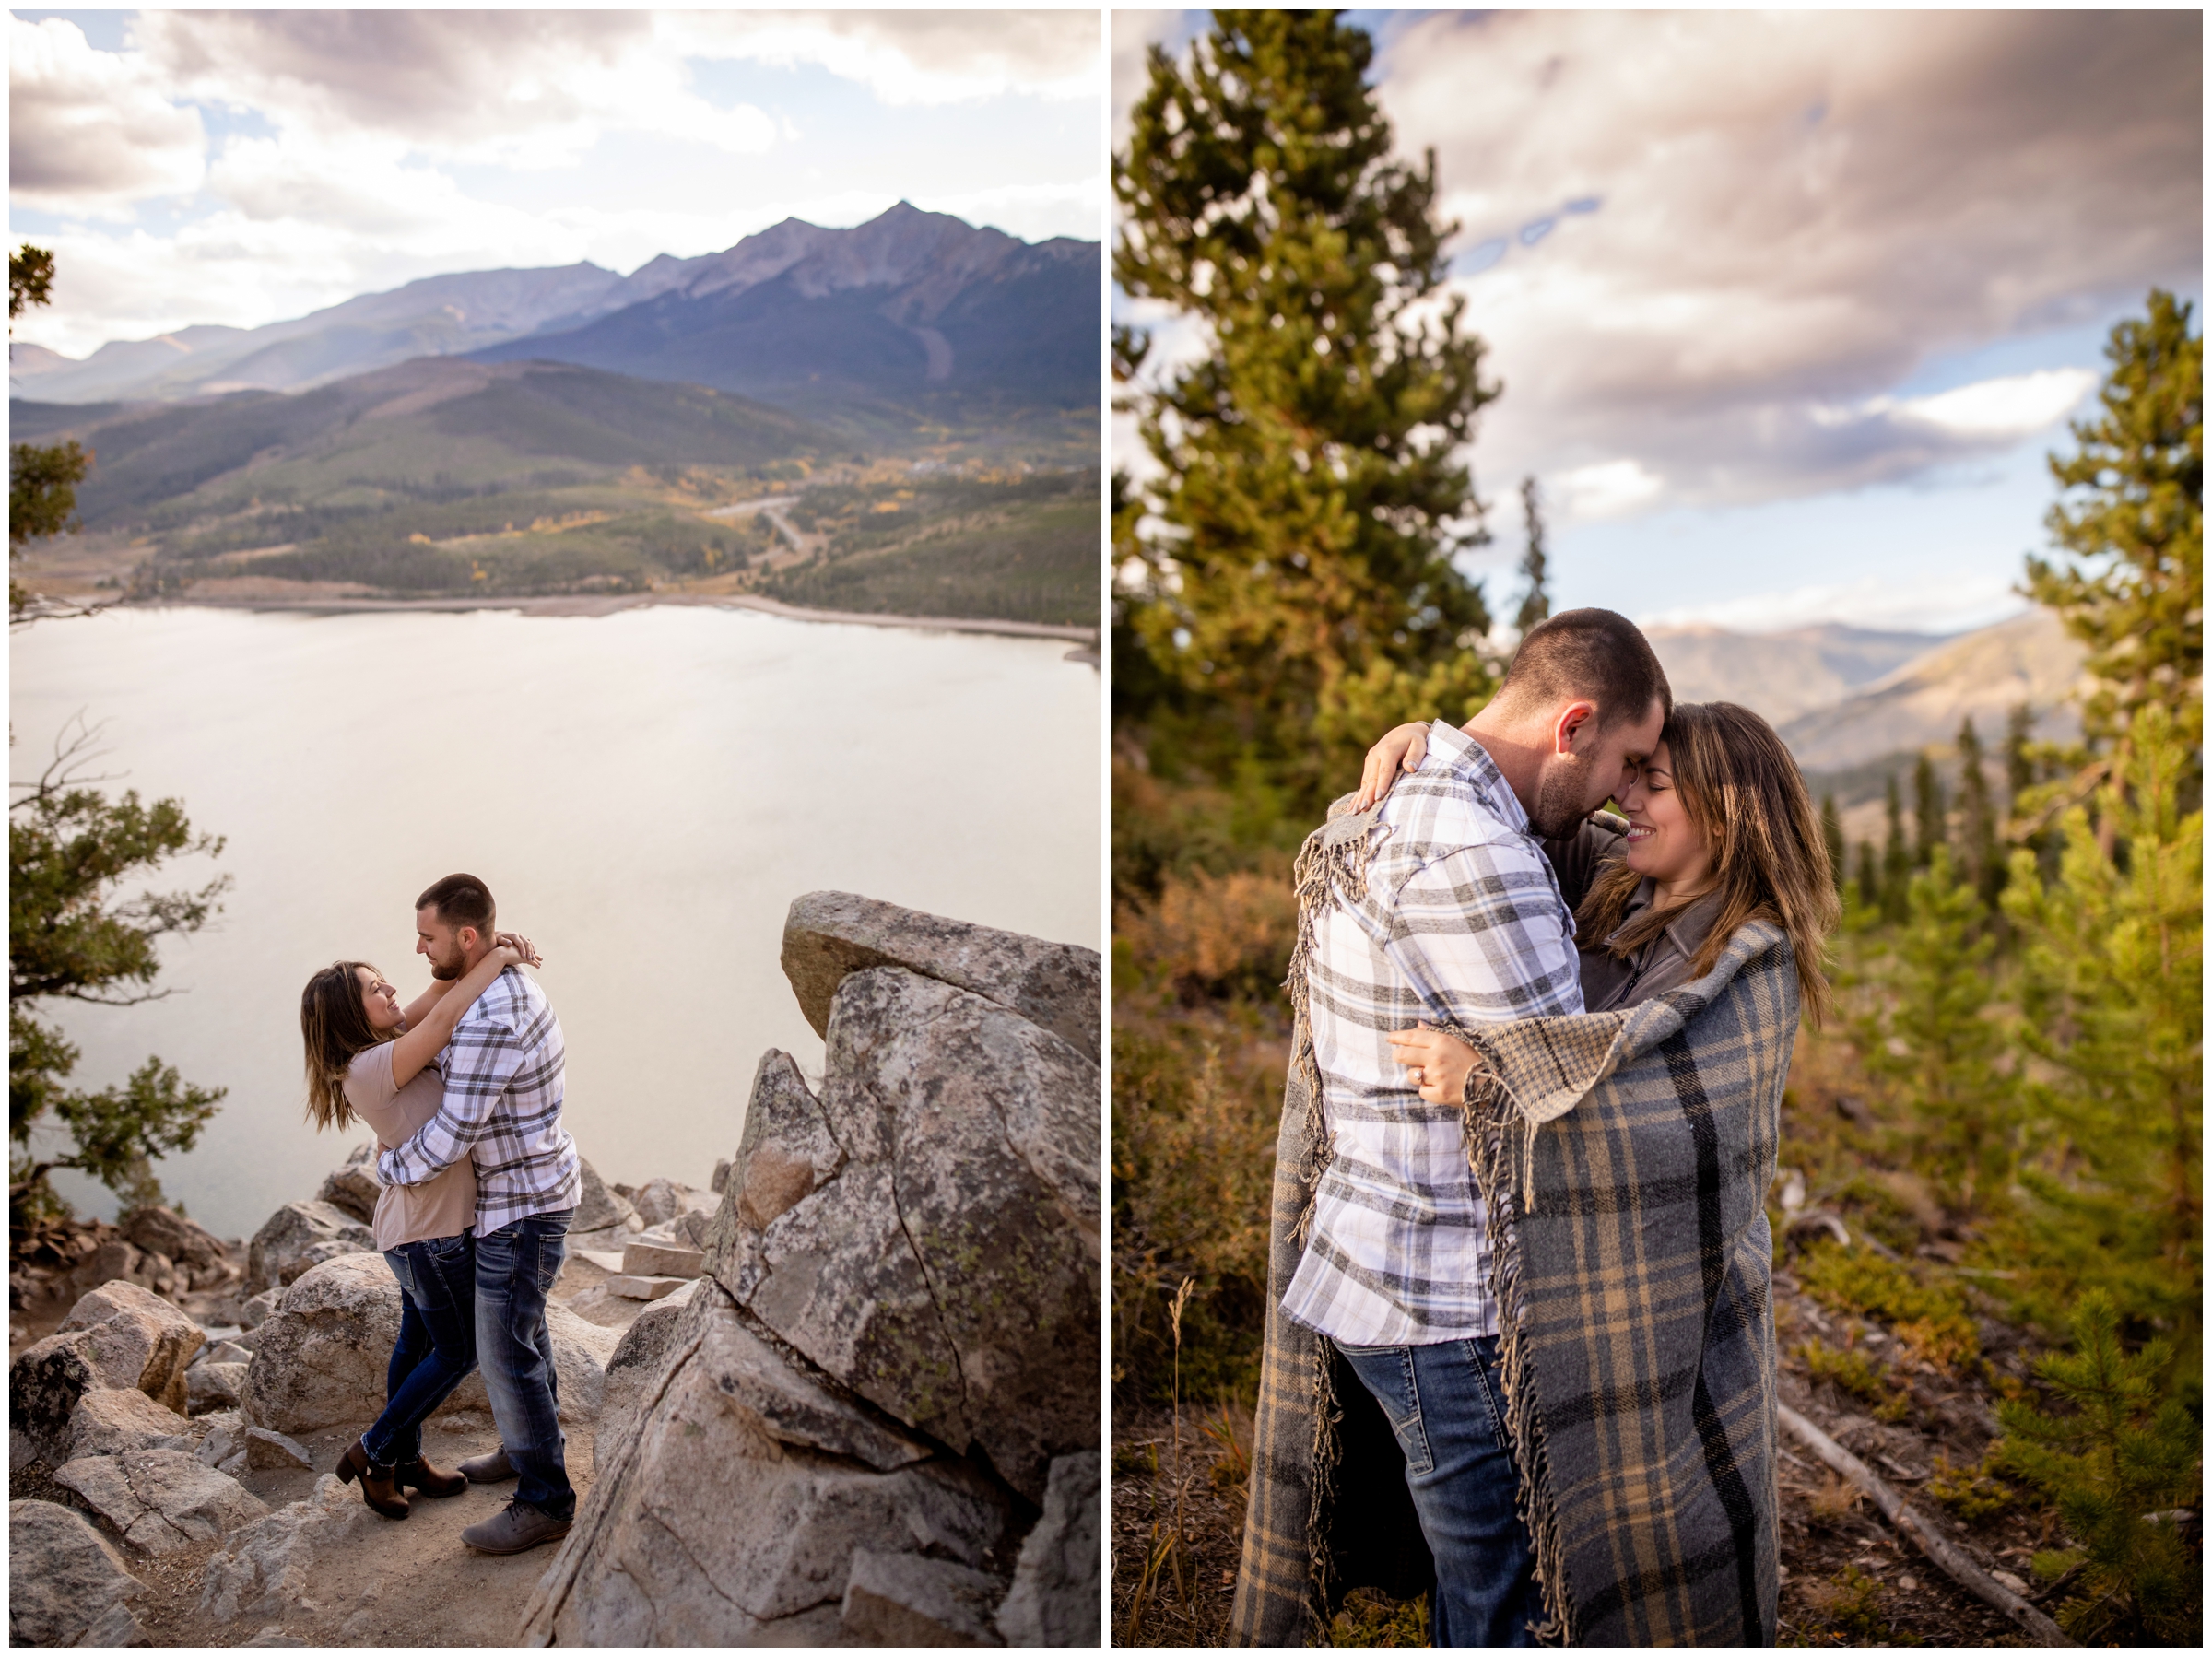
249, 166
1788, 307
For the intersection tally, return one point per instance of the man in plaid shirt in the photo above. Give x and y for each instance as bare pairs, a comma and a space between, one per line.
502, 1101
1462, 921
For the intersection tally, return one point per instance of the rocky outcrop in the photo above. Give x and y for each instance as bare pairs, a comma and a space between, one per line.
268, 1569
67, 1584
1055, 1600
58, 1260
730, 1519
185, 1242
118, 1335
212, 1386
160, 1500
298, 1238
114, 1419
828, 934
352, 1187
321, 1357
908, 1600
947, 1269
598, 1209
891, 1363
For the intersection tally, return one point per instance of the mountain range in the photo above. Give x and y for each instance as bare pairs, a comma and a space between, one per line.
910, 313
425, 429
1784, 673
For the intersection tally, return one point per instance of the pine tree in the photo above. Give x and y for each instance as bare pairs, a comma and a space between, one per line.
1897, 858
1982, 865
72, 935
1831, 830
2112, 960
1310, 491
1535, 601
1870, 879
1930, 1039
1929, 830
2117, 1465
2131, 585
41, 480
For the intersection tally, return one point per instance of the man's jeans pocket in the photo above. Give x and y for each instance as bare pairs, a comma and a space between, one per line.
1387, 1373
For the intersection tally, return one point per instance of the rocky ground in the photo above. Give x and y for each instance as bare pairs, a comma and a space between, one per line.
845, 1396
364, 1580
1850, 1579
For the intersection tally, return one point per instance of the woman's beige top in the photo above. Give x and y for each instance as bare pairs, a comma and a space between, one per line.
446, 1206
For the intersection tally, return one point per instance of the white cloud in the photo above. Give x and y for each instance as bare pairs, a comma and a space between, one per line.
1608, 489
1938, 603
92, 131
1709, 246
922, 56
2014, 406
532, 89
358, 150
1785, 214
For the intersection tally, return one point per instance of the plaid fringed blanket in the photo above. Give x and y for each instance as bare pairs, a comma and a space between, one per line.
1626, 1158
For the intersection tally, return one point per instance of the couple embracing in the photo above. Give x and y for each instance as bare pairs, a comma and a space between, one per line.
1520, 1347
463, 1088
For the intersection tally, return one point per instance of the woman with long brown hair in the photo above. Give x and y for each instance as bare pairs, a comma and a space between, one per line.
1721, 830
371, 1058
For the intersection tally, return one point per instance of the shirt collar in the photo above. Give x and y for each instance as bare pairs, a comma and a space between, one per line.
1461, 756
1692, 923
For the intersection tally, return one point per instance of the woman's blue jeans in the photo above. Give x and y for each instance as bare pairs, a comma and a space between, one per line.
437, 1345
1447, 1407
515, 1268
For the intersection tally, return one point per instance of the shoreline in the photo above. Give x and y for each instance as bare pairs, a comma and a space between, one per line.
590, 604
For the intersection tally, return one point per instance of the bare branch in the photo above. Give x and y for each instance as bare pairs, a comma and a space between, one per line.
74, 745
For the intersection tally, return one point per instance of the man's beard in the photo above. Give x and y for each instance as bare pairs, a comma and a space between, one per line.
1559, 810
446, 971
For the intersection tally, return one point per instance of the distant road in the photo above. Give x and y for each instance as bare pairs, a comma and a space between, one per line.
800, 544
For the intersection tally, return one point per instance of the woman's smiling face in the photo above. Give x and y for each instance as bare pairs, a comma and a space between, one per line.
379, 1000
1663, 842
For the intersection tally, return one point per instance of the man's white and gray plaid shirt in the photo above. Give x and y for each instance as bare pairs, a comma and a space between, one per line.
1463, 923
503, 1091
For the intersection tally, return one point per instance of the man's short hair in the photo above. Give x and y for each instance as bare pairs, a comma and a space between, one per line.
461, 901
1595, 654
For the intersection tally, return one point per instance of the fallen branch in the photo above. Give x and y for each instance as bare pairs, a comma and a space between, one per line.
1940, 1553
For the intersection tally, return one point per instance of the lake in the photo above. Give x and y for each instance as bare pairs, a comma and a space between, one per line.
644, 792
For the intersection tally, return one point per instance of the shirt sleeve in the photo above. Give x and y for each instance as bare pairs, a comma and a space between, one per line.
1482, 935
482, 1059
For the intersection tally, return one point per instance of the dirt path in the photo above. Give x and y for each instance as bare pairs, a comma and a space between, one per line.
410, 1583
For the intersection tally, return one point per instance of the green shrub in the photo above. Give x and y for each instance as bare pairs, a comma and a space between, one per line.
1928, 1316
2116, 1467
1853, 1371
1970, 1492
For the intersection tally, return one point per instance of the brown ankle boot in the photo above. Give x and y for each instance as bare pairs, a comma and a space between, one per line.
377, 1488
419, 1474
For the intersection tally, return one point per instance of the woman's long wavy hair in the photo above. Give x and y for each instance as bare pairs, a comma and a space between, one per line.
335, 1027
1743, 790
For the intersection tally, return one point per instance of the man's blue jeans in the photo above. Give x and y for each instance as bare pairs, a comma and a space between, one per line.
437, 1345
515, 1268
1446, 1405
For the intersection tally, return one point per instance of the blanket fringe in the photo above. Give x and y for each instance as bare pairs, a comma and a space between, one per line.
1333, 861
1488, 1118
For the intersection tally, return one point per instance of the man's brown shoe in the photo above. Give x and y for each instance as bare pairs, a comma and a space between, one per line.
515, 1529
377, 1488
487, 1469
419, 1474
